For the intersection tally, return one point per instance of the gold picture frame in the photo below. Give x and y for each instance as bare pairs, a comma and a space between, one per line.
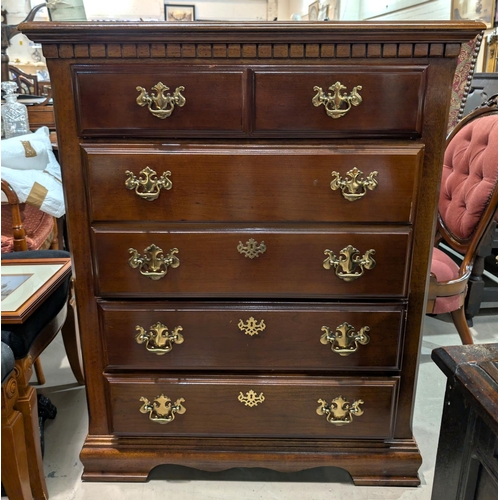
483, 10
179, 13
26, 283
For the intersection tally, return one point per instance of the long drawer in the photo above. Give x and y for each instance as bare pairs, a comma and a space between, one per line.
322, 407
190, 260
251, 336
192, 183
140, 100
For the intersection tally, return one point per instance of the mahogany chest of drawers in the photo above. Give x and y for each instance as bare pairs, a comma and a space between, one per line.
250, 214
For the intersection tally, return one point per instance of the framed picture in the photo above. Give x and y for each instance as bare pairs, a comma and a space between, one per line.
26, 283
476, 10
314, 11
179, 12
324, 12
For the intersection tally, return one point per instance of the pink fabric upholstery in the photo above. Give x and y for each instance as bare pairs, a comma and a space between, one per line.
445, 269
470, 173
39, 227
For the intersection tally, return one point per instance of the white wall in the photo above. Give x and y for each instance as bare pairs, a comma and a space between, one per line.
430, 10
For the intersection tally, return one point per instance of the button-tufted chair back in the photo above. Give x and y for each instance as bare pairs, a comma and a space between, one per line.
470, 176
467, 208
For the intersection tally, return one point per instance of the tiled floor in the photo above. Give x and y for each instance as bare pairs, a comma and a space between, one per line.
64, 437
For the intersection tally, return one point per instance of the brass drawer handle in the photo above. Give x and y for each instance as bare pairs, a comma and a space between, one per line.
161, 410
148, 185
163, 104
158, 339
354, 186
153, 264
251, 398
251, 327
345, 340
350, 259
337, 105
250, 249
340, 411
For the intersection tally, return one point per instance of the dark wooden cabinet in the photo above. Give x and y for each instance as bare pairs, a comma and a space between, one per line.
467, 458
251, 244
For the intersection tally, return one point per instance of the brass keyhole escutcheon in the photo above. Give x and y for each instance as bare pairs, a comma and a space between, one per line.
251, 249
251, 326
354, 186
148, 186
338, 103
345, 340
350, 265
340, 411
161, 410
160, 103
251, 398
158, 339
153, 264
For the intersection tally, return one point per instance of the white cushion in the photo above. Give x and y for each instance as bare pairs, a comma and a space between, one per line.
27, 152
24, 181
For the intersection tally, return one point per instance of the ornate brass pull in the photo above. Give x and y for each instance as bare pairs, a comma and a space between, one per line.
354, 186
251, 249
345, 340
340, 411
337, 105
164, 104
159, 340
153, 264
349, 260
251, 398
149, 186
161, 410
251, 327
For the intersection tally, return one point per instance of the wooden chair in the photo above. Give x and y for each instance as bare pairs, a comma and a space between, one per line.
15, 472
29, 84
467, 207
25, 227
27, 341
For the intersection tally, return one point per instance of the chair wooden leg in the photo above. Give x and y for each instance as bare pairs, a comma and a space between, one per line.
15, 474
71, 339
39, 371
461, 325
28, 406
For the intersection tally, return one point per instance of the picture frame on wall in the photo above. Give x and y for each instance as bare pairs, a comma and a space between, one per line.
314, 11
179, 13
324, 11
483, 10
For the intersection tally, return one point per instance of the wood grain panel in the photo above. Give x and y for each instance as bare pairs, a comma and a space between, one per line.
107, 100
210, 264
212, 406
392, 101
253, 183
290, 339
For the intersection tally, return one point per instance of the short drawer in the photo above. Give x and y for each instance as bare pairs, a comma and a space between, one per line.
106, 100
384, 101
191, 183
251, 336
252, 406
197, 260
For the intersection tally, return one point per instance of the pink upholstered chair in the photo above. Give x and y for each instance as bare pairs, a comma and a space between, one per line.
467, 206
